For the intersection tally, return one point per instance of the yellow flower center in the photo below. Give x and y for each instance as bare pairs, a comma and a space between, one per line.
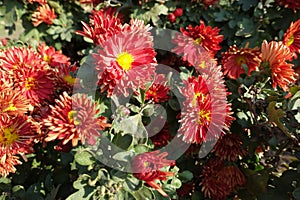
125, 60
198, 40
10, 107
47, 58
71, 115
204, 115
29, 83
239, 60
196, 95
8, 136
202, 64
290, 41
69, 79
146, 164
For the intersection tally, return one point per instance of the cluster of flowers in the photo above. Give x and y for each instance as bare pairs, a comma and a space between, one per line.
36, 104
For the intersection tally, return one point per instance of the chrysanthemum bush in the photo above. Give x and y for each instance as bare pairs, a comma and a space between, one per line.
149, 99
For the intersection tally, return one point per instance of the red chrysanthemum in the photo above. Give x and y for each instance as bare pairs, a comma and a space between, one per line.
293, 4
275, 55
38, 1
291, 37
102, 26
196, 112
158, 91
185, 189
229, 147
43, 14
208, 3
147, 167
74, 118
20, 58
17, 134
205, 113
218, 180
127, 61
162, 138
35, 85
12, 102
52, 57
234, 59
204, 36
8, 160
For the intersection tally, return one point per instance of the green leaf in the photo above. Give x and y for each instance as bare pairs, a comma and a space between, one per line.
124, 142
185, 176
82, 194
246, 28
247, 4
132, 184
143, 193
296, 193
84, 158
53, 193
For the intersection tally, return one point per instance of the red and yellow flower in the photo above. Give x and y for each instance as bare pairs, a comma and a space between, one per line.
146, 167
74, 118
52, 57
127, 61
275, 56
234, 59
43, 14
158, 91
291, 37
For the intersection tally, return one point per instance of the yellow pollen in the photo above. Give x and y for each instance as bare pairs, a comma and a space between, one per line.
47, 58
290, 41
198, 94
10, 107
29, 83
125, 60
198, 40
202, 65
8, 136
71, 115
69, 79
239, 60
204, 115
146, 164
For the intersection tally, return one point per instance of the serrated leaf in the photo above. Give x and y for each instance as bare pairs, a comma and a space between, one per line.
246, 28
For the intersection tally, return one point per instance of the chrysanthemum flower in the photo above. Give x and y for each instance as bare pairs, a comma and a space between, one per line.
196, 112
291, 37
274, 55
147, 167
234, 59
17, 134
102, 26
52, 57
8, 160
12, 102
204, 36
232, 176
23, 58
38, 1
158, 91
162, 138
43, 14
229, 147
35, 85
213, 186
295, 5
127, 61
74, 118
218, 180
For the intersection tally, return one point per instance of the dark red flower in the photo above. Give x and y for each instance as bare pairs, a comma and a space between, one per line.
171, 17
178, 12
